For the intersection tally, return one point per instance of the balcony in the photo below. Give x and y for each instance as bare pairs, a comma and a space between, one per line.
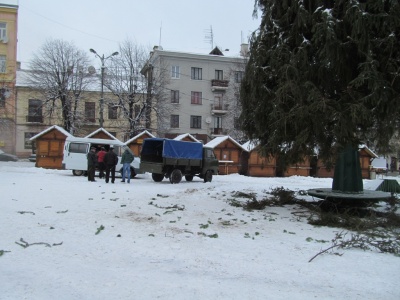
34, 119
218, 131
219, 109
219, 85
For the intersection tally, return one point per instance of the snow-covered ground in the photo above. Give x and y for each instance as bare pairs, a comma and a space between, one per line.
62, 237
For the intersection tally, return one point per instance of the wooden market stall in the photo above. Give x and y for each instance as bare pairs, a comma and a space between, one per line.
50, 147
366, 157
253, 164
135, 143
228, 152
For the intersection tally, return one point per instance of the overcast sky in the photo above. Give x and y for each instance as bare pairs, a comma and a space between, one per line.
180, 25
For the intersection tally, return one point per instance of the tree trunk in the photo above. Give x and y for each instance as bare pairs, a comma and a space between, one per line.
347, 177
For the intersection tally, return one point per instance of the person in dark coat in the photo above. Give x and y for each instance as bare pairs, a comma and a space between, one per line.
91, 166
110, 160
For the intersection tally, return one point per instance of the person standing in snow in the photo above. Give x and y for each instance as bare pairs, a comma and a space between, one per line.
100, 160
126, 160
91, 166
110, 160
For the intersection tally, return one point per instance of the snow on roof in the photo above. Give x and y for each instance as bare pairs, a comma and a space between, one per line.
218, 140
99, 130
138, 136
368, 150
250, 145
62, 130
182, 136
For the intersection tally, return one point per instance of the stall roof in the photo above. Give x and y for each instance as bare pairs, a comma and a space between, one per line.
62, 130
218, 140
101, 130
182, 136
138, 136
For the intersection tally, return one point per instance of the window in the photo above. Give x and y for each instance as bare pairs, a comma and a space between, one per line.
174, 96
196, 98
197, 73
3, 95
175, 72
27, 137
35, 111
112, 111
174, 121
78, 148
219, 74
3, 31
217, 125
218, 101
90, 111
238, 76
3, 63
195, 122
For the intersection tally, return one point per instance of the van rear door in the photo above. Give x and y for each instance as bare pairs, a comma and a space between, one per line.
75, 156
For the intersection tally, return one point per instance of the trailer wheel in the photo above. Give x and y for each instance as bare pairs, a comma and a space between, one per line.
208, 176
176, 176
77, 172
189, 177
157, 177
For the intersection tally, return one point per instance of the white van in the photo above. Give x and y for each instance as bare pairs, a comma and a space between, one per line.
76, 150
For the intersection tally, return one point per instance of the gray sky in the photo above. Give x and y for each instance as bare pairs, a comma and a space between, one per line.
181, 25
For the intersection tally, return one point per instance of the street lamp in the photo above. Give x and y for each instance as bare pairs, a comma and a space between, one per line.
102, 59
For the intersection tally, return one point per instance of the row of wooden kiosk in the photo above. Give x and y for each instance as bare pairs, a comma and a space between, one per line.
233, 157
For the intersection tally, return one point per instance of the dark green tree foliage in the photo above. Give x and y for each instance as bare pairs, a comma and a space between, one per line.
322, 74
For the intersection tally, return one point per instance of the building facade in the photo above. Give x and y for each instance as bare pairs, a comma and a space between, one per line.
8, 66
34, 114
200, 92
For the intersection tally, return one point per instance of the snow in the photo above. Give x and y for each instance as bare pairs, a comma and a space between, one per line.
159, 242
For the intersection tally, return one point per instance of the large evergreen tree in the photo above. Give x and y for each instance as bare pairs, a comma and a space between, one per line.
323, 74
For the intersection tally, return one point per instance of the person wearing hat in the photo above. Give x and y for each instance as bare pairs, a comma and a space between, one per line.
91, 166
110, 160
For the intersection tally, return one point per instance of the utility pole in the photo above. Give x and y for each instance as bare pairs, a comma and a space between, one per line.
102, 59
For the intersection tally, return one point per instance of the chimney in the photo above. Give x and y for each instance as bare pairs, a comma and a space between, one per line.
244, 50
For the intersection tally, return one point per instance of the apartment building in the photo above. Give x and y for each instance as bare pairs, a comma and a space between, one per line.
200, 92
8, 55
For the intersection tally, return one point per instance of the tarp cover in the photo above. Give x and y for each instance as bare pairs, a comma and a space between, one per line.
173, 148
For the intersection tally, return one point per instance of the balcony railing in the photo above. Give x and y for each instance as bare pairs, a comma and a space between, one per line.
219, 108
217, 131
217, 84
34, 119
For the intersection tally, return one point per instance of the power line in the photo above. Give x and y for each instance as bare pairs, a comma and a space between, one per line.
69, 27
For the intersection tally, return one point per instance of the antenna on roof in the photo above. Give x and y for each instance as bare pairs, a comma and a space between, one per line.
159, 42
210, 37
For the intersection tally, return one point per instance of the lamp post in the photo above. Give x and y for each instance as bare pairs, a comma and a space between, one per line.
102, 59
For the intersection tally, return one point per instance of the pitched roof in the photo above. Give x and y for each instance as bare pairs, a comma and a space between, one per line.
101, 130
138, 136
218, 140
62, 130
182, 136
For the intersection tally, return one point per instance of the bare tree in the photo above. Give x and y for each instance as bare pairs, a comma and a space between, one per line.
124, 80
233, 94
59, 73
158, 103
